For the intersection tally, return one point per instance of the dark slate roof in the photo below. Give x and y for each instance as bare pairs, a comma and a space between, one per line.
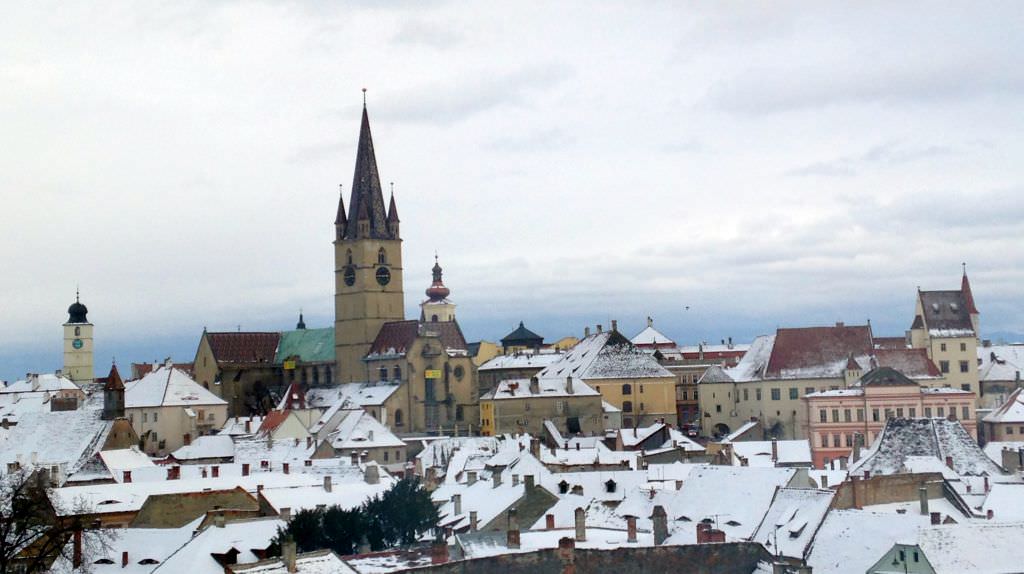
809, 347
521, 335
886, 377
243, 347
113, 382
910, 362
946, 311
397, 336
367, 199
939, 438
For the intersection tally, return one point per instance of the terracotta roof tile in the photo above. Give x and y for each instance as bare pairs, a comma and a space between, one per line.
910, 362
810, 347
397, 336
244, 347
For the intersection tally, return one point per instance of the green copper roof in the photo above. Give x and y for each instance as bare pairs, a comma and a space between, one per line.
310, 345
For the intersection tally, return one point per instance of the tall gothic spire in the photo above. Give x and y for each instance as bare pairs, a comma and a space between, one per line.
367, 199
965, 289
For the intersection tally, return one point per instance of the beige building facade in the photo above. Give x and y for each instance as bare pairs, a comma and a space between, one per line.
78, 345
167, 409
523, 405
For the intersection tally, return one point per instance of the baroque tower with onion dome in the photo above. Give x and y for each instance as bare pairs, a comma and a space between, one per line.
368, 264
78, 356
437, 306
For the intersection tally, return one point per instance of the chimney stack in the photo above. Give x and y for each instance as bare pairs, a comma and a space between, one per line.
124, 559
922, 494
615, 325
660, 524
285, 513
457, 503
288, 554
775, 450
581, 524
472, 520
438, 552
824, 481
949, 462
529, 482
513, 529
327, 483
285, 467
568, 385
76, 556
936, 518
497, 477
630, 529
586, 332
471, 478
371, 475
549, 521
535, 447
126, 476
245, 469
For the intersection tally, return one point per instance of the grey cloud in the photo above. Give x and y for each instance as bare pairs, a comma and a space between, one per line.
456, 100
426, 33
888, 154
539, 140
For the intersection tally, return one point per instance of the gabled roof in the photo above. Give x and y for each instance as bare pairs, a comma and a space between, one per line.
1012, 411
293, 398
243, 347
946, 313
367, 199
168, 387
114, 382
806, 349
309, 345
886, 377
901, 439
357, 429
1001, 362
604, 355
272, 420
652, 337
395, 337
521, 336
911, 362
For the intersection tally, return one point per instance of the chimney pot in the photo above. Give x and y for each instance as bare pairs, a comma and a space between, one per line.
630, 529
581, 524
327, 483
124, 559
245, 469
936, 518
549, 521
126, 476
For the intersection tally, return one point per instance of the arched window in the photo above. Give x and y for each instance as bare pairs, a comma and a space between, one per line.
398, 417
348, 257
433, 318
382, 256
78, 331
627, 389
563, 487
627, 406
398, 373
383, 373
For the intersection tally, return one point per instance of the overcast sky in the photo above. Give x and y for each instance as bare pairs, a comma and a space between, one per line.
725, 167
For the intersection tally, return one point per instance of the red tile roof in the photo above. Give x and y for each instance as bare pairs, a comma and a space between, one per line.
140, 370
911, 362
890, 342
809, 347
243, 347
397, 336
272, 421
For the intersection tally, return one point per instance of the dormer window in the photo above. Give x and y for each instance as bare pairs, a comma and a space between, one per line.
954, 307
935, 307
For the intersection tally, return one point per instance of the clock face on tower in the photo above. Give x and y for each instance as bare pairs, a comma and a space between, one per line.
77, 343
350, 276
383, 275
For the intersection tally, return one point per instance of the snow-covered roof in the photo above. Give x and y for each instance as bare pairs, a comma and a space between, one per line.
125, 459
937, 438
789, 526
242, 535
45, 382
755, 360
994, 450
537, 360
604, 355
68, 438
346, 494
253, 450
551, 387
977, 547
168, 387
759, 452
235, 426
481, 544
851, 541
357, 429
317, 562
146, 547
1006, 501
1012, 411
594, 484
734, 497
651, 336
598, 514
483, 497
1001, 362
208, 446
351, 394
633, 437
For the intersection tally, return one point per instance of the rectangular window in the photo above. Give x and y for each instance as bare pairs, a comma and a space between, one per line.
965, 413
694, 394
941, 411
641, 388
155, 414
874, 415
808, 390
927, 412
963, 347
835, 415
888, 414
823, 415
913, 412
746, 394
944, 366
718, 408
849, 440
942, 347
1009, 430
776, 394
145, 417
794, 393
757, 394
899, 412
860, 415
965, 387
835, 441
386, 456
847, 415
964, 367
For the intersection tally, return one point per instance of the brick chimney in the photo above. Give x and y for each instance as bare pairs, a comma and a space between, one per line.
497, 477
285, 467
457, 503
630, 529
513, 529
288, 554
471, 478
245, 469
949, 462
126, 476
327, 483
124, 559
215, 471
549, 521
775, 450
472, 521
438, 552
922, 494
936, 518
76, 553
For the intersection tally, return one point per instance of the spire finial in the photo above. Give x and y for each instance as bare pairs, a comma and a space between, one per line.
364, 98
76, 294
392, 184
964, 266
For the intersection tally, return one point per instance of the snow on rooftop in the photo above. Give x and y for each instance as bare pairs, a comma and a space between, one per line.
754, 362
66, 438
936, 438
207, 446
352, 395
978, 547
146, 548
520, 388
125, 459
242, 535
45, 382
318, 562
759, 452
1001, 362
357, 429
851, 541
651, 336
521, 361
789, 526
481, 544
168, 387
605, 355
1011, 411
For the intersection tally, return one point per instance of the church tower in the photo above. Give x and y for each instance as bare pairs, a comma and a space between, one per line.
437, 306
78, 344
367, 264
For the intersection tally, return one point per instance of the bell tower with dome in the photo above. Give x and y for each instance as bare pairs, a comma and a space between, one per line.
78, 362
437, 307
